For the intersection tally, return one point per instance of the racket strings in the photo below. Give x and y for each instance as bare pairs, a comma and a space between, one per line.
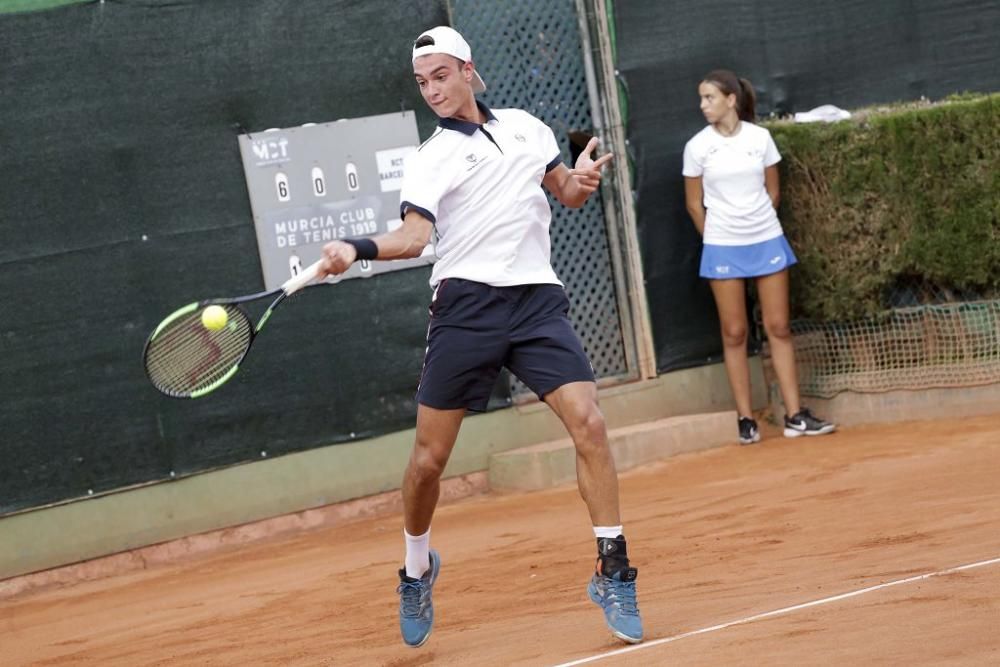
186, 357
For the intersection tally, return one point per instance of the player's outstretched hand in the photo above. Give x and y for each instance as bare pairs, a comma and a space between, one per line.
337, 258
587, 171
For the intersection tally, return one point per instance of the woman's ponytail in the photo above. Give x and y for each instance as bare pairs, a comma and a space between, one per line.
747, 101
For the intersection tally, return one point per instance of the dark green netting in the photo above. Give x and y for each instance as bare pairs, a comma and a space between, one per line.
12, 6
124, 198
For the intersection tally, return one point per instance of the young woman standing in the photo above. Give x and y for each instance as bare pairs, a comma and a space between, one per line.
732, 193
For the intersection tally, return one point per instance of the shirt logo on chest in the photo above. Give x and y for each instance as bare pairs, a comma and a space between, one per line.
520, 137
472, 161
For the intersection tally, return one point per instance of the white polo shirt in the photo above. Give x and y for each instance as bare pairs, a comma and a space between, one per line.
481, 186
738, 208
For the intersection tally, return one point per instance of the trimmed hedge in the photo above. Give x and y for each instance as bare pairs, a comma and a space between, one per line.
893, 197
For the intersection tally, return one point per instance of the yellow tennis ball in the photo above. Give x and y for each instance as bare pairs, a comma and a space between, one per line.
214, 317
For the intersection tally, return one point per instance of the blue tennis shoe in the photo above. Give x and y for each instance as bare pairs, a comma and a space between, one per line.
615, 595
416, 609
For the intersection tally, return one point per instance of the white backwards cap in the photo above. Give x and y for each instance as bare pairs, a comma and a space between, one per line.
447, 40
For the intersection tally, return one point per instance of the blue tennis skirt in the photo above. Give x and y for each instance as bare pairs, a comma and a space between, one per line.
719, 262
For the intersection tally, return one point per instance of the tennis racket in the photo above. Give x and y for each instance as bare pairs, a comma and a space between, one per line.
184, 359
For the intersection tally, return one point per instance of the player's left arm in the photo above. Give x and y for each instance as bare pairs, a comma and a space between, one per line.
772, 183
572, 187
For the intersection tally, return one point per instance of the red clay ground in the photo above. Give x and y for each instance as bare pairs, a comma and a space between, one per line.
717, 536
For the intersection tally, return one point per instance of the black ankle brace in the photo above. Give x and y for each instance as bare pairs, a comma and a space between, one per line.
612, 553
612, 547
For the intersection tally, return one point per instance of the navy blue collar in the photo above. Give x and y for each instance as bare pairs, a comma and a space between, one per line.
464, 126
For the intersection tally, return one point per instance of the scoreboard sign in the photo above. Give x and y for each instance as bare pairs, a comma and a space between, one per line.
317, 183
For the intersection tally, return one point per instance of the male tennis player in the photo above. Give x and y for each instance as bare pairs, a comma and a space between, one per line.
497, 302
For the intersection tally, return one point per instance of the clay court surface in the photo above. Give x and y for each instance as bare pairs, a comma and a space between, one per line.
718, 536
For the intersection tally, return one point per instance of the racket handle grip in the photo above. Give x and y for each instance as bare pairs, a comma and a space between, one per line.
303, 278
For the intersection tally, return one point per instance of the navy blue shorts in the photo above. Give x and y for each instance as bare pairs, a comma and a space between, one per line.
477, 329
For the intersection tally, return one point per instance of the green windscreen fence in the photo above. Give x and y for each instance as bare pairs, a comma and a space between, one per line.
124, 198
799, 55
13, 6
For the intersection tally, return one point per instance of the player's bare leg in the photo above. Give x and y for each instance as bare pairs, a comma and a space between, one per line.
437, 431
613, 585
576, 405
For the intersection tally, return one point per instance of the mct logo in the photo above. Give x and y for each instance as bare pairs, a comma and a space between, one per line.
271, 151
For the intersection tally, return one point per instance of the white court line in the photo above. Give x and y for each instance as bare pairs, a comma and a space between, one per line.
777, 612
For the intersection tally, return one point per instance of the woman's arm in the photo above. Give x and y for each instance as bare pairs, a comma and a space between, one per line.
694, 197
772, 184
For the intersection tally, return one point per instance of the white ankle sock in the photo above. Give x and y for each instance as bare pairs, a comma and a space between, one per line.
608, 531
418, 548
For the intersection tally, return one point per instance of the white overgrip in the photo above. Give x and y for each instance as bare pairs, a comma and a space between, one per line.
303, 278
